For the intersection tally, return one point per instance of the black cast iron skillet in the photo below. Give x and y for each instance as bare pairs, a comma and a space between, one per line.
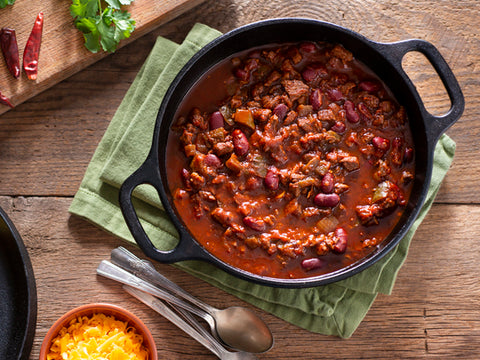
384, 59
18, 294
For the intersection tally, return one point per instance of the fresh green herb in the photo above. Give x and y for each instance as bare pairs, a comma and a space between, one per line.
4, 3
102, 28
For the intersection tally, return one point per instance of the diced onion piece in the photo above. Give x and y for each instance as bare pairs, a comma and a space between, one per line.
327, 224
245, 117
381, 191
227, 114
234, 164
259, 165
190, 150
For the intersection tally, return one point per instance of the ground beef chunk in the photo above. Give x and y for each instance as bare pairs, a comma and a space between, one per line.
295, 89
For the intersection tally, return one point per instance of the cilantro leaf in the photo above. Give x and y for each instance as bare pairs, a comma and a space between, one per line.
107, 32
83, 8
91, 35
124, 25
92, 42
102, 29
87, 25
4, 3
117, 3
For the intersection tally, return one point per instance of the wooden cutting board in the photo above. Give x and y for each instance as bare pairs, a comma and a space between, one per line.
62, 50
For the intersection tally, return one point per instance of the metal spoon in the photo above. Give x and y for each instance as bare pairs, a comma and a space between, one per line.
192, 327
114, 272
236, 326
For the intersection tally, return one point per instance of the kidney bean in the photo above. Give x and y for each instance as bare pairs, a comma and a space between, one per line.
185, 177
397, 143
240, 142
254, 223
312, 264
212, 160
216, 120
328, 183
316, 99
307, 47
314, 71
335, 95
381, 143
369, 86
241, 74
281, 111
339, 127
326, 200
271, 179
341, 244
352, 115
309, 74
408, 154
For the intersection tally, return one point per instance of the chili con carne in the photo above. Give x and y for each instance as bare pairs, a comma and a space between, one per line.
295, 160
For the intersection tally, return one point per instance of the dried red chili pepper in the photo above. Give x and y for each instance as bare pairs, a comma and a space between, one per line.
8, 43
4, 100
32, 49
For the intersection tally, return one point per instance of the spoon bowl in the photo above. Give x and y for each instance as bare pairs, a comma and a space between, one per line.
240, 326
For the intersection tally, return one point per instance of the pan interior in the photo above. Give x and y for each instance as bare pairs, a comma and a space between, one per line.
365, 51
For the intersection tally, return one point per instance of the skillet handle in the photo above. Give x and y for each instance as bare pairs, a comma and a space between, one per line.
436, 125
186, 248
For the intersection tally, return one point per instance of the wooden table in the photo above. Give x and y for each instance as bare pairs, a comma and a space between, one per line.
434, 311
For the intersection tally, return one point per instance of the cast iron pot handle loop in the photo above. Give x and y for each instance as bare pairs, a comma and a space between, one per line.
185, 250
437, 125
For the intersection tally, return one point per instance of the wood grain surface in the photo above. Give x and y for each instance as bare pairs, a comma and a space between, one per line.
62, 50
434, 311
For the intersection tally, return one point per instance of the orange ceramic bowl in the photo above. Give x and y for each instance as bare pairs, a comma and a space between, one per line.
100, 308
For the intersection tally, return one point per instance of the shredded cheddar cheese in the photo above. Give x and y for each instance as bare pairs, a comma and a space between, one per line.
98, 337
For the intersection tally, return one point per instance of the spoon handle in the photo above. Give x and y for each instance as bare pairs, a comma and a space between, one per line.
114, 272
144, 269
203, 337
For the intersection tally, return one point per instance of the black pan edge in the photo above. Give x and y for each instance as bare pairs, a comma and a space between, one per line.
18, 293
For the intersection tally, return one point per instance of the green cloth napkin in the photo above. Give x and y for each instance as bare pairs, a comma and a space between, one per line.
334, 309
